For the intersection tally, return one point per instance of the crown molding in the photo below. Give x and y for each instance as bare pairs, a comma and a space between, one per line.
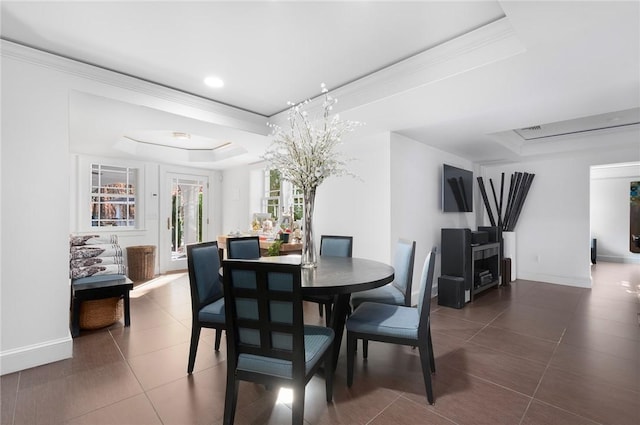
192, 106
485, 45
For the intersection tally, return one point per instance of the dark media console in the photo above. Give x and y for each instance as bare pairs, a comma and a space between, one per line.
470, 264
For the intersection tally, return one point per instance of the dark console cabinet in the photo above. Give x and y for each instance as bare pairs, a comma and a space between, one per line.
478, 264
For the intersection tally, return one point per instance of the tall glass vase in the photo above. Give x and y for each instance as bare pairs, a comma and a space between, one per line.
309, 259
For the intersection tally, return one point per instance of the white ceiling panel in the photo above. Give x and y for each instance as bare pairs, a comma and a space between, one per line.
458, 76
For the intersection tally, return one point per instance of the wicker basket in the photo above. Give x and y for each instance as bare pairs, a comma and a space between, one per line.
141, 261
96, 314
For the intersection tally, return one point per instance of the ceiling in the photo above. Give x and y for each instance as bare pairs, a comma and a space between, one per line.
458, 76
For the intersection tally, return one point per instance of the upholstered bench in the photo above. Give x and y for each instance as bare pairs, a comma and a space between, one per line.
97, 288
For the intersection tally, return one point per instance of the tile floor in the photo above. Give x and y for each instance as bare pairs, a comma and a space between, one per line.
529, 353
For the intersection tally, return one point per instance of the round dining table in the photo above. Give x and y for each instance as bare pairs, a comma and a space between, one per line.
339, 277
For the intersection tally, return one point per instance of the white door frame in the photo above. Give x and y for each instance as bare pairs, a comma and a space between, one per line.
166, 262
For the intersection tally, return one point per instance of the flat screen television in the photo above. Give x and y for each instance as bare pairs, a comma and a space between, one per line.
457, 189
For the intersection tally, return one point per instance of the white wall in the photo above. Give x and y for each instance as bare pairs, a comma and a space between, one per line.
416, 199
236, 194
40, 190
610, 213
360, 206
553, 231
35, 217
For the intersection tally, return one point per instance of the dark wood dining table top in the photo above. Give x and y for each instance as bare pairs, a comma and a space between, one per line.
339, 275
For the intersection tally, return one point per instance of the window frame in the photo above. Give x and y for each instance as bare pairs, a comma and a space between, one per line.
121, 196
80, 199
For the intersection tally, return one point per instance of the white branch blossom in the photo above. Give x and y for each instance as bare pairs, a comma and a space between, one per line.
305, 153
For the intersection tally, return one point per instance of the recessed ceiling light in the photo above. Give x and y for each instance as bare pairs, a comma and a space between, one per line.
214, 82
181, 135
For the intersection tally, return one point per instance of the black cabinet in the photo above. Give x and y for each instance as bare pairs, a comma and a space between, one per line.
478, 264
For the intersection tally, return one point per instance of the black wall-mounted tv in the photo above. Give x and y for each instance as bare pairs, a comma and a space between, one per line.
457, 189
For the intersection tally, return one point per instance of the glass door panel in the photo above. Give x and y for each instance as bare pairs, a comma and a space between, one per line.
186, 218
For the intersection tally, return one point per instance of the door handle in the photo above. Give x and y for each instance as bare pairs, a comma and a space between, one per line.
169, 223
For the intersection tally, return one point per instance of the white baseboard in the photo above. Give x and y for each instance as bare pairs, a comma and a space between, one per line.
580, 282
35, 355
617, 259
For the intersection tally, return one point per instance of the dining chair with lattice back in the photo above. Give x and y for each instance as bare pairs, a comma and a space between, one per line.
397, 324
207, 302
331, 246
267, 340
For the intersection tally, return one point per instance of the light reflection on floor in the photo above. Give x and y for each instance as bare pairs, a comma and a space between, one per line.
285, 396
155, 283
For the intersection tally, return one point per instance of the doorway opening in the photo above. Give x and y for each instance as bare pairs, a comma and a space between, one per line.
186, 215
185, 206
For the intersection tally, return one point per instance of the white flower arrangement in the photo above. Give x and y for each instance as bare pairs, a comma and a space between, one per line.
305, 153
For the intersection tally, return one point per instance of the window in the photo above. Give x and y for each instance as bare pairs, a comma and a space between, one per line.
281, 197
272, 193
298, 202
113, 196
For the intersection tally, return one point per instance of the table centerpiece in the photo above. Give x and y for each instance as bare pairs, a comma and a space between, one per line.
305, 154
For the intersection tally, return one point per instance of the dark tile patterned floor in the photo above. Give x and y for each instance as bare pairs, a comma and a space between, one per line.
530, 353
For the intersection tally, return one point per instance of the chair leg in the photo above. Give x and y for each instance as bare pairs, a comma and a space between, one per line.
365, 348
426, 370
329, 371
218, 338
298, 405
327, 308
351, 354
320, 309
432, 360
75, 317
127, 308
193, 348
230, 399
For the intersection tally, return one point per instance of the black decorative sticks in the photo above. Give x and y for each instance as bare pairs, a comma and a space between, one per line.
483, 192
518, 190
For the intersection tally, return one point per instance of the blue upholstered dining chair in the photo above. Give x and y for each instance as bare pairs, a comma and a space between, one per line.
397, 324
207, 302
246, 247
336, 246
331, 246
397, 292
267, 340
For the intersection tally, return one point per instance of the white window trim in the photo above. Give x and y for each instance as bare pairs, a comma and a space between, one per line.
81, 203
123, 196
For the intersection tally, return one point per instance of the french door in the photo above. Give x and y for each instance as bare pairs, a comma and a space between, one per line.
184, 218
